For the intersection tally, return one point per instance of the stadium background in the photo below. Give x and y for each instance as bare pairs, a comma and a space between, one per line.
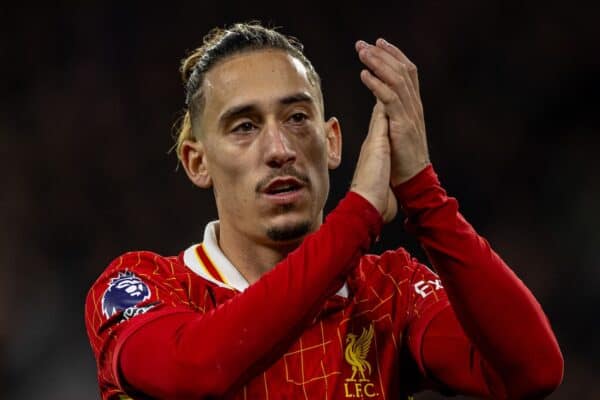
90, 92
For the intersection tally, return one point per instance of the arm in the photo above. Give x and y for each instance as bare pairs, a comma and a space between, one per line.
504, 324
187, 355
495, 340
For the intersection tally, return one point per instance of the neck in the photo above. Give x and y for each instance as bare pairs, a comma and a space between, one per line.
251, 257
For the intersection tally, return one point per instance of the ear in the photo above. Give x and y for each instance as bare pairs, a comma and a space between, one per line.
334, 143
193, 159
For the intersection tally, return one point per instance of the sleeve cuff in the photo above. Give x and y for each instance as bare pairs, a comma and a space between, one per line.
419, 191
355, 204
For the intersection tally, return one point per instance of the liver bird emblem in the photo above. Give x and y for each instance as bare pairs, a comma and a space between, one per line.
357, 351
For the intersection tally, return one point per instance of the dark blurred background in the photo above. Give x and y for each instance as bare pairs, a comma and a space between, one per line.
90, 93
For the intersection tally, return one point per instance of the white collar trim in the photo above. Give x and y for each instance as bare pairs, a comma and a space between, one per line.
232, 277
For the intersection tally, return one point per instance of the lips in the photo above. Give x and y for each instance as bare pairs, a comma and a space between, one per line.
281, 186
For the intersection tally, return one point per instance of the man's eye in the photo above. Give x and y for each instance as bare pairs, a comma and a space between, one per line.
244, 127
298, 117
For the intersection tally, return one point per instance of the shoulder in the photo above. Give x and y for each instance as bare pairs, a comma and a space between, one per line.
398, 263
396, 278
138, 265
135, 283
135, 278
397, 268
142, 260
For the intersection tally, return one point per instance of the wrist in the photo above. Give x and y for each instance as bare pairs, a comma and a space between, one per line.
412, 190
404, 176
355, 204
373, 201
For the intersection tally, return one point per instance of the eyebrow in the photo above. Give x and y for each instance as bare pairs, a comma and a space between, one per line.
246, 108
296, 98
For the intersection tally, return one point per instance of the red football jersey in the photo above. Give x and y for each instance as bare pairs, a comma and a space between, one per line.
350, 350
328, 321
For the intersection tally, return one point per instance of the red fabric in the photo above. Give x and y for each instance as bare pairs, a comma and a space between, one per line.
512, 345
286, 336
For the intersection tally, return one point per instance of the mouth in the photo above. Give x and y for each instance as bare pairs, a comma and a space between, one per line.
285, 185
284, 190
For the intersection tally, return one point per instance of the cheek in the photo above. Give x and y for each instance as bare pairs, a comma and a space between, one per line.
316, 155
229, 172
317, 150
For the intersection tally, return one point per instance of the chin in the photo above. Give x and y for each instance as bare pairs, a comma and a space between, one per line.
289, 232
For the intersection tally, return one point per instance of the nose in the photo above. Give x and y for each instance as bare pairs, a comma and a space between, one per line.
279, 148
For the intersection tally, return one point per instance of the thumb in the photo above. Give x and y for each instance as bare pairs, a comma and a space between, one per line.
378, 126
372, 173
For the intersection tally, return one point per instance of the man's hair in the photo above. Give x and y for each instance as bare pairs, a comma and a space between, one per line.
219, 44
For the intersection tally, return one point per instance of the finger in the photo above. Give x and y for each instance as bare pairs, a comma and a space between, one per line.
379, 120
401, 68
398, 82
377, 110
385, 94
416, 105
360, 44
401, 57
394, 51
400, 63
397, 65
377, 140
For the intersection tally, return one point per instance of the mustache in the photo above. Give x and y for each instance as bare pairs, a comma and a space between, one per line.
288, 170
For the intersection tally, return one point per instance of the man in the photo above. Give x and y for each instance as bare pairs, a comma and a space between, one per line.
276, 303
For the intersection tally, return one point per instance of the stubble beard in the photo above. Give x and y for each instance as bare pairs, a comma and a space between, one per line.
288, 232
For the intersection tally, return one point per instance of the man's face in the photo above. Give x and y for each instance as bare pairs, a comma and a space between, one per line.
266, 146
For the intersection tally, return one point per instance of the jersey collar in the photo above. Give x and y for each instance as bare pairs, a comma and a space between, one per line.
208, 261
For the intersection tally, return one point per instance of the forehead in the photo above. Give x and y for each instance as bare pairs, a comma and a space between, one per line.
257, 77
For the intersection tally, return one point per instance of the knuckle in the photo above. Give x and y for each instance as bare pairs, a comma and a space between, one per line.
400, 85
377, 108
390, 98
401, 68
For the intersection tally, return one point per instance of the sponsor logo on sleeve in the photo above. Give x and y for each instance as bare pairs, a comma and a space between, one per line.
425, 288
124, 291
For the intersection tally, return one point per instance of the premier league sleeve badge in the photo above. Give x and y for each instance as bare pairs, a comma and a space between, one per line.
124, 291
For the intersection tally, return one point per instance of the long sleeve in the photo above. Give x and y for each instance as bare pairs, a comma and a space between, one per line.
495, 326
191, 355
